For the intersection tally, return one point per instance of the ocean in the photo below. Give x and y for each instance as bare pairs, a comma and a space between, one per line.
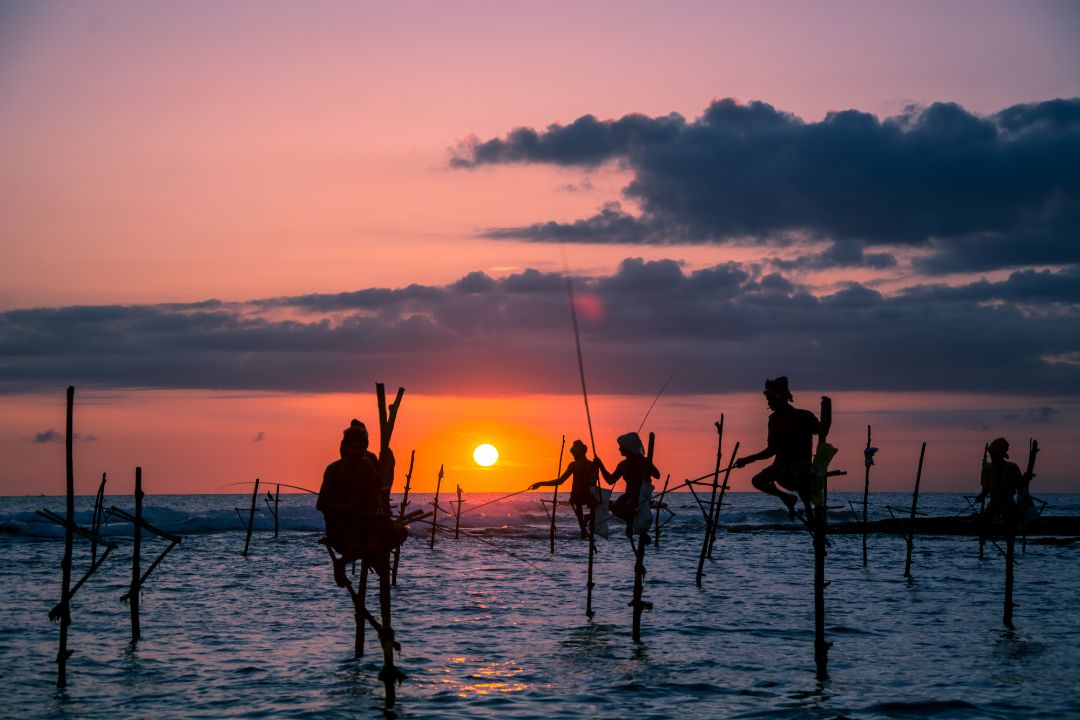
493, 624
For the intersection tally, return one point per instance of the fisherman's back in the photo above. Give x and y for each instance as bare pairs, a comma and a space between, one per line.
791, 435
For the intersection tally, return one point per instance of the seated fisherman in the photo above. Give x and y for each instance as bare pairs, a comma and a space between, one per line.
1001, 481
585, 473
791, 443
353, 503
635, 468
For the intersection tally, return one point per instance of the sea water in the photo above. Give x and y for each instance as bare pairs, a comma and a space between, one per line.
493, 624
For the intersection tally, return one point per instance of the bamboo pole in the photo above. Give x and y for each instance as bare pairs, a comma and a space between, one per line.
69, 537
390, 675
589, 584
360, 603
251, 517
914, 503
639, 605
401, 514
277, 503
720, 502
435, 509
555, 495
868, 461
1010, 561
712, 501
457, 515
136, 551
95, 522
660, 508
821, 645
982, 506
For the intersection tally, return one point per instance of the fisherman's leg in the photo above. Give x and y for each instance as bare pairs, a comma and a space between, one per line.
579, 511
765, 481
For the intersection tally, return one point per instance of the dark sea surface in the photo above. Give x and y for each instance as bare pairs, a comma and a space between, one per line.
493, 625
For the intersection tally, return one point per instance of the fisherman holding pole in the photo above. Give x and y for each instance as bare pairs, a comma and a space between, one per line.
791, 443
354, 505
636, 469
584, 472
1001, 481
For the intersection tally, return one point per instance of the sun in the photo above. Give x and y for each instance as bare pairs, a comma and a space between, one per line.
485, 455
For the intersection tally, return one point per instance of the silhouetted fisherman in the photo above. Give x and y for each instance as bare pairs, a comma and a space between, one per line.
791, 443
585, 473
1001, 481
635, 468
355, 506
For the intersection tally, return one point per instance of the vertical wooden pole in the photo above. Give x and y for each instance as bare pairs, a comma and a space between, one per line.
251, 517
660, 509
277, 504
390, 675
589, 584
868, 460
720, 501
982, 506
360, 601
639, 562
1010, 561
914, 504
821, 645
136, 550
69, 537
95, 522
712, 501
555, 495
401, 514
435, 509
457, 515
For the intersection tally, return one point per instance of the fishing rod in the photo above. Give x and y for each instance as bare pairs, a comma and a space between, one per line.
662, 388
294, 487
489, 502
580, 362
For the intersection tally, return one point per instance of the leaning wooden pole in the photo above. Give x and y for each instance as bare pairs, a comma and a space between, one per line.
712, 502
389, 674
638, 603
95, 522
720, 501
401, 514
821, 645
136, 550
251, 517
69, 538
555, 496
659, 509
435, 509
868, 460
914, 504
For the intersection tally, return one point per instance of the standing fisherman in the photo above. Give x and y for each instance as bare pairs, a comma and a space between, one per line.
791, 443
585, 472
636, 469
356, 507
1001, 481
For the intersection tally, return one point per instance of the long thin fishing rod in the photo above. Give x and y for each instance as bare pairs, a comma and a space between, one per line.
294, 487
662, 389
489, 502
580, 362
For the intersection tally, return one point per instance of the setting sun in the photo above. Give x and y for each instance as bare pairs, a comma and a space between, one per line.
485, 455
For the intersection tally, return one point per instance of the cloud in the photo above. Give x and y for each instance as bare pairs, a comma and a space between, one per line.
978, 192
723, 327
1032, 416
53, 436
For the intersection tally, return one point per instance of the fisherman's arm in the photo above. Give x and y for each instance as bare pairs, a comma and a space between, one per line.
747, 459
557, 481
609, 477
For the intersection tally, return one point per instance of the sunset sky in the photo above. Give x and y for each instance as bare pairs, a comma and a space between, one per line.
224, 222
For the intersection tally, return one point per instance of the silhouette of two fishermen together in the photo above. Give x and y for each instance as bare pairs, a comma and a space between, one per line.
634, 468
355, 502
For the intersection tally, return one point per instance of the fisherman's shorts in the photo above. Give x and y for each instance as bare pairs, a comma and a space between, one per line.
791, 477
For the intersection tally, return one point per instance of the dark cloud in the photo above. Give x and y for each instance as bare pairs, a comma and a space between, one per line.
53, 436
1032, 416
723, 328
979, 192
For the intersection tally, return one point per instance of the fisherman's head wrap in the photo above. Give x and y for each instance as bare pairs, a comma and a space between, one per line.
778, 388
355, 434
999, 446
578, 447
631, 443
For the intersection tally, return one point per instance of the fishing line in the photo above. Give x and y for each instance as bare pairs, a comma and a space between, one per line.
489, 502
662, 388
251, 482
498, 547
577, 342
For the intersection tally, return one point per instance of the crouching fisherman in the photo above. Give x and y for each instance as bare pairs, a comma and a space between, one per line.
585, 473
636, 469
791, 444
1003, 483
356, 505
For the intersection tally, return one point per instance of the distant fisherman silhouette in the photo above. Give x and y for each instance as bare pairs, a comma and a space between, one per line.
791, 443
635, 468
1001, 481
585, 472
355, 507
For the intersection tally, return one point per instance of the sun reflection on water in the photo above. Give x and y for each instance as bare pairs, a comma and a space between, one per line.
487, 680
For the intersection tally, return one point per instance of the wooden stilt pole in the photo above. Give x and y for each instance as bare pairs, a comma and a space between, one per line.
1010, 562
720, 501
555, 496
276, 507
390, 675
360, 602
638, 603
251, 517
589, 584
457, 515
982, 509
868, 460
914, 504
712, 502
821, 645
69, 537
95, 522
435, 509
660, 508
136, 550
401, 514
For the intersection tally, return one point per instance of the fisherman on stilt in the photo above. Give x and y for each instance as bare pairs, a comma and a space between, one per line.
582, 497
791, 443
636, 469
356, 506
1003, 483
